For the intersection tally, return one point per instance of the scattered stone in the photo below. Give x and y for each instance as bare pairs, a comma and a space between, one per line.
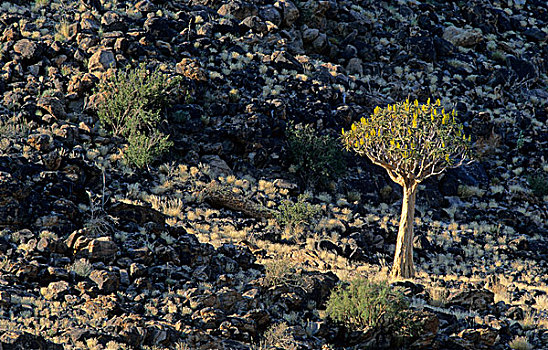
53, 105
479, 299
16, 340
108, 282
102, 248
144, 279
55, 290
290, 12
462, 37
101, 60
237, 9
29, 50
191, 69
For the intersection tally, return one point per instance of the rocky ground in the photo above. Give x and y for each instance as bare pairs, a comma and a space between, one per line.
187, 254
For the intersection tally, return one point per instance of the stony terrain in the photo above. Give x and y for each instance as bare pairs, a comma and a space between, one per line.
187, 253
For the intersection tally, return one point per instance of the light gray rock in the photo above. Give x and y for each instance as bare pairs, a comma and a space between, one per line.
101, 60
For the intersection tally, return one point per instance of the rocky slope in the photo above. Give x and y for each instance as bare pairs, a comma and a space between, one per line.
185, 254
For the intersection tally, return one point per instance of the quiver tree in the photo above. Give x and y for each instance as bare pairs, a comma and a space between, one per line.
412, 141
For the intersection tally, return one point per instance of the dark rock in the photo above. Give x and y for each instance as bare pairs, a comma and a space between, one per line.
102, 248
284, 60
535, 34
410, 289
41, 142
443, 47
473, 174
429, 329
160, 28
54, 105
423, 47
288, 10
479, 338
521, 69
422, 245
135, 213
13, 194
462, 37
318, 287
17, 340
191, 69
92, 4
271, 14
255, 24
329, 246
112, 21
478, 300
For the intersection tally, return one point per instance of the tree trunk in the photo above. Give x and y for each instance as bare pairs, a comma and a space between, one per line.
403, 260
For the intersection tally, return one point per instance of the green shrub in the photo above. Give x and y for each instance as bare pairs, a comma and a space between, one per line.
295, 213
365, 304
133, 100
132, 108
142, 149
538, 184
316, 159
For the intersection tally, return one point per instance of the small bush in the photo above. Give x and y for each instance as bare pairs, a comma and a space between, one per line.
295, 213
14, 127
279, 272
520, 343
82, 267
134, 99
143, 149
365, 304
277, 336
538, 184
316, 159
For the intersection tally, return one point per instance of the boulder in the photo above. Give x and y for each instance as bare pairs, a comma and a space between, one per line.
29, 50
18, 340
462, 37
55, 290
101, 60
108, 282
290, 12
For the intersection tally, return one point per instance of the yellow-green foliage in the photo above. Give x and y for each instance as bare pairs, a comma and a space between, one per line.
295, 213
410, 140
365, 304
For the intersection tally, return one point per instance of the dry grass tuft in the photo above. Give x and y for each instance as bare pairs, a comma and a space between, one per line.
520, 343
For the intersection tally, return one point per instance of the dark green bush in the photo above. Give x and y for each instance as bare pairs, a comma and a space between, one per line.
316, 159
538, 184
365, 304
143, 149
132, 100
132, 108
